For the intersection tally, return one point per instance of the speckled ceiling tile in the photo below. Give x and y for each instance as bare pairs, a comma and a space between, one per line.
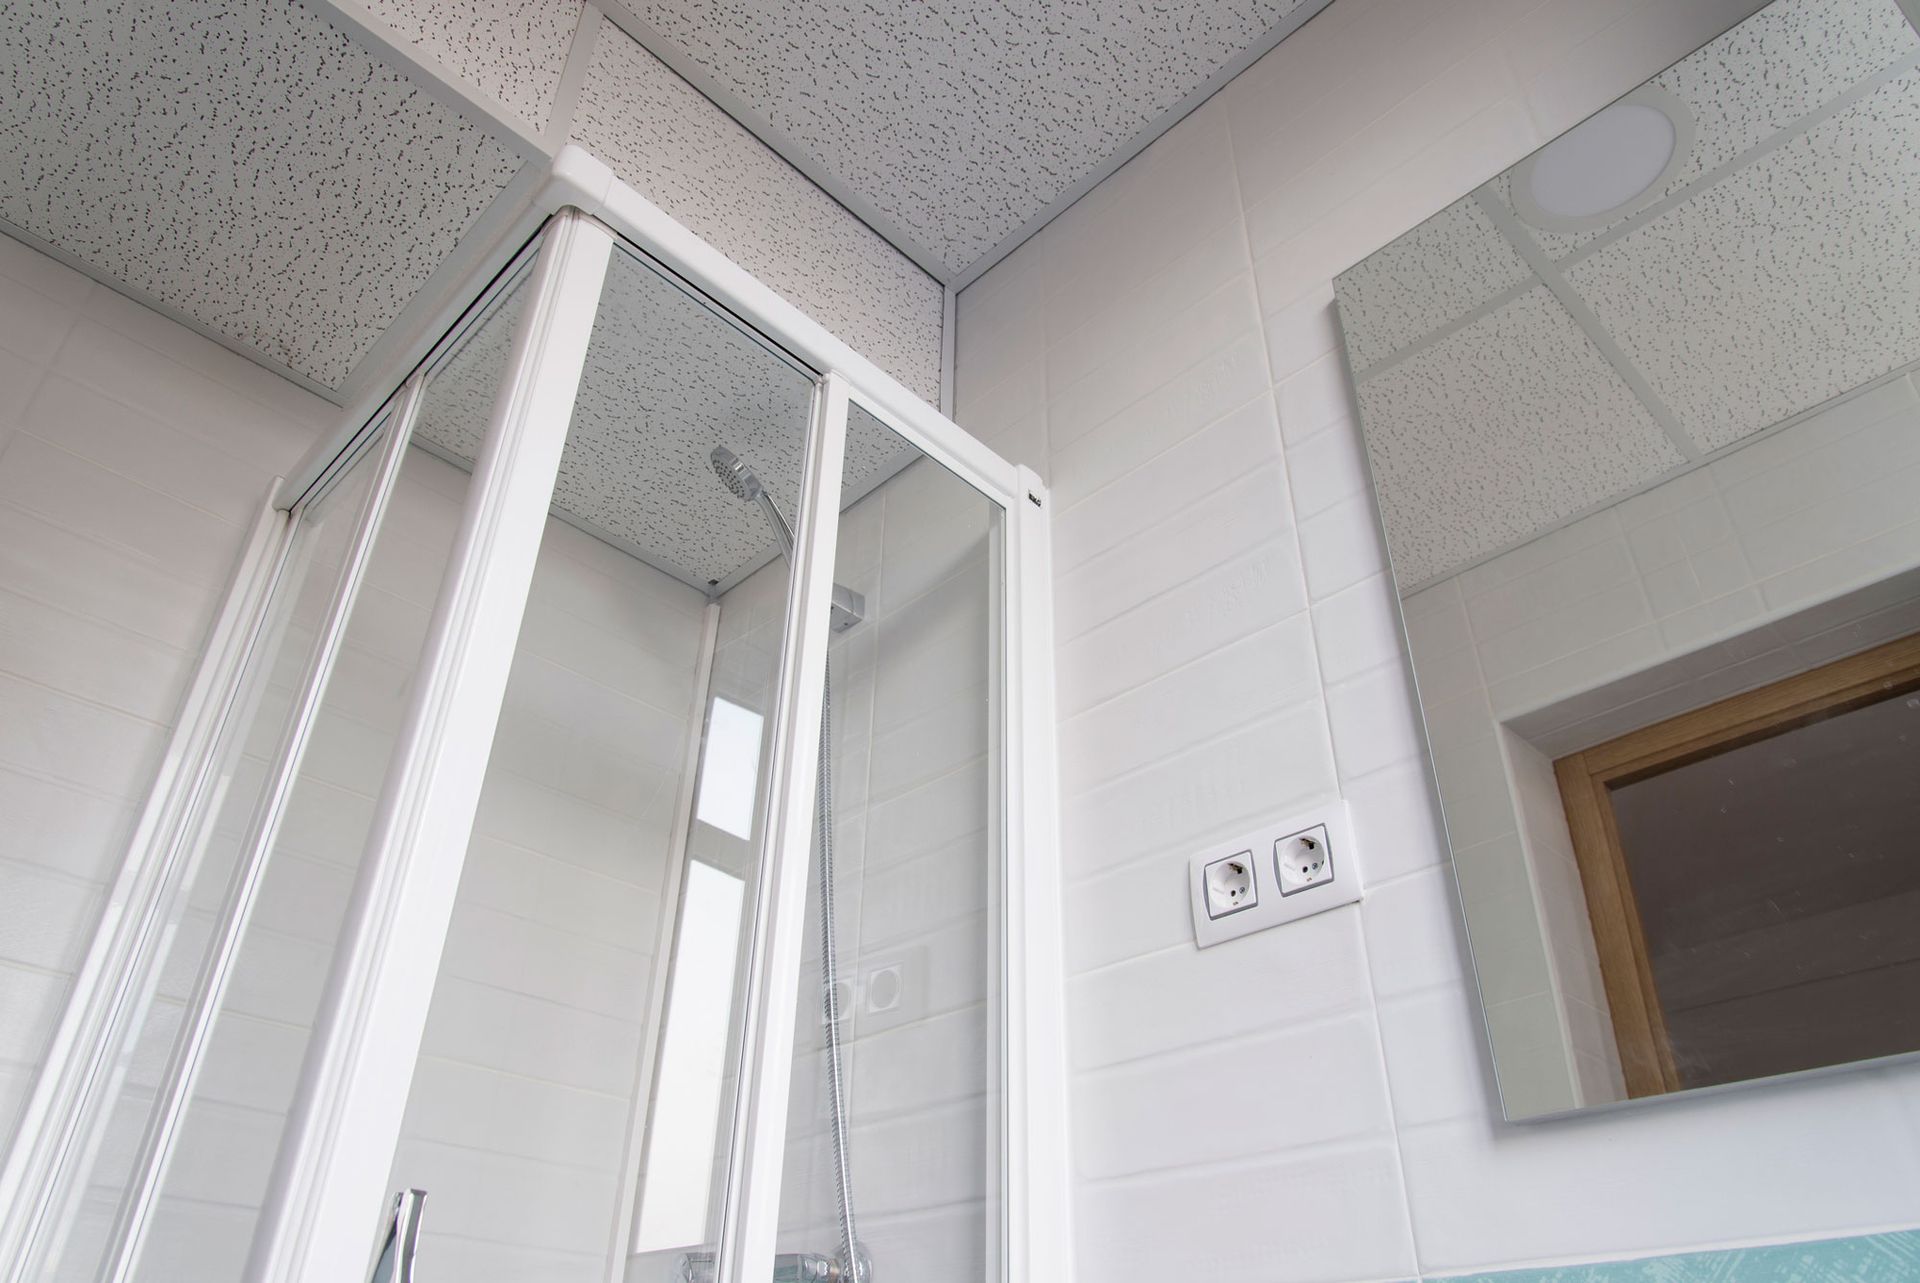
1435, 274
666, 380
515, 50
1553, 431
959, 120
693, 161
1790, 281
245, 164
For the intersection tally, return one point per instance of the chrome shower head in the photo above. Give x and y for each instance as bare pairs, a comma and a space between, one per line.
849, 607
735, 475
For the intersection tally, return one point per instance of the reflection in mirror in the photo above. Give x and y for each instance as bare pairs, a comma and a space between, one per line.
1644, 425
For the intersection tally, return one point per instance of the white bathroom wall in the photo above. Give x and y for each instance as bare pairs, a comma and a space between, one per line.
1166, 352
134, 454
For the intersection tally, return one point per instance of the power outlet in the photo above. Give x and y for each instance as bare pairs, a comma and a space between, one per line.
1303, 860
1230, 885
1307, 863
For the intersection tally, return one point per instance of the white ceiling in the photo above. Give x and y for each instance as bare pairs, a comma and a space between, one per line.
196, 153
955, 126
1512, 378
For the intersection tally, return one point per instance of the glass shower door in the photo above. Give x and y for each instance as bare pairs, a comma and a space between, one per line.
169, 1173
526, 928
571, 1107
894, 1127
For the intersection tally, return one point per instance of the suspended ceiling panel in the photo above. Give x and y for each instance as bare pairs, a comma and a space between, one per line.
667, 379
953, 123
1773, 267
245, 166
731, 190
515, 50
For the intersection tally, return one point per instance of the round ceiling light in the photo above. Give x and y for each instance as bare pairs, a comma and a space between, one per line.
1607, 164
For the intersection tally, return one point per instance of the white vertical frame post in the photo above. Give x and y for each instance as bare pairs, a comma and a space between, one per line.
70, 1091
329, 1184
750, 1217
1039, 1204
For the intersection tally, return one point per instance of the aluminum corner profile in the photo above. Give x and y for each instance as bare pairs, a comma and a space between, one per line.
576, 178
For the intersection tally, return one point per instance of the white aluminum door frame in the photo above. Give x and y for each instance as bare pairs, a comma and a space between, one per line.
750, 1211
329, 1183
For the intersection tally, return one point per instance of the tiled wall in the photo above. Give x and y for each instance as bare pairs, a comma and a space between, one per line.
1228, 649
1715, 582
134, 454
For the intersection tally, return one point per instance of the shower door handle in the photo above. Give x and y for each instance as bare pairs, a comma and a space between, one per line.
395, 1262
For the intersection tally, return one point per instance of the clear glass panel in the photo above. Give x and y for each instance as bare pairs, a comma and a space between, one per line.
894, 1114
229, 1133
569, 1112
84, 1228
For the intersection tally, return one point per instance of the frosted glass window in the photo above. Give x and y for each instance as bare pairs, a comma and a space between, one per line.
693, 1055
730, 771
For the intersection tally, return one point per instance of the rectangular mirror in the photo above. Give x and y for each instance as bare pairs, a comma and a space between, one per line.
1643, 420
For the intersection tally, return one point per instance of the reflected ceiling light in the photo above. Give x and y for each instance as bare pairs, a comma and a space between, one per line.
1607, 165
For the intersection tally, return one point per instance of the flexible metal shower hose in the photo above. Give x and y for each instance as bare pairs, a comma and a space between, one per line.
852, 1263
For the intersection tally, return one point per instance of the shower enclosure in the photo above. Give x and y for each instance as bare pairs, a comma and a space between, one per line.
614, 801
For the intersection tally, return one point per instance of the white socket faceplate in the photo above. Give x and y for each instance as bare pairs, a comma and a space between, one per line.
1286, 887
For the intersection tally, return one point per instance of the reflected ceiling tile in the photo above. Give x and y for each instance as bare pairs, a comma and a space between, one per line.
1435, 274
1498, 432
1788, 282
315, 211
1786, 62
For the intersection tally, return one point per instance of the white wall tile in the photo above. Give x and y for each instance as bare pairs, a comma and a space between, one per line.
1244, 1098
1367, 121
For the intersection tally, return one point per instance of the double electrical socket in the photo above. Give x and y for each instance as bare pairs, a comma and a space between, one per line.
1288, 869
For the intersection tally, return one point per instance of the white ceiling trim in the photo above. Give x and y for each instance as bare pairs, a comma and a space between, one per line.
623, 16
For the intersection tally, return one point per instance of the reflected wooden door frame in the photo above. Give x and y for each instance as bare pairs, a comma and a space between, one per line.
1587, 778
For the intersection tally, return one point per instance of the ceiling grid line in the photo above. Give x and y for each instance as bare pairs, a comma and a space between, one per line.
1536, 259
902, 111
1648, 213
709, 87
573, 76
1449, 329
